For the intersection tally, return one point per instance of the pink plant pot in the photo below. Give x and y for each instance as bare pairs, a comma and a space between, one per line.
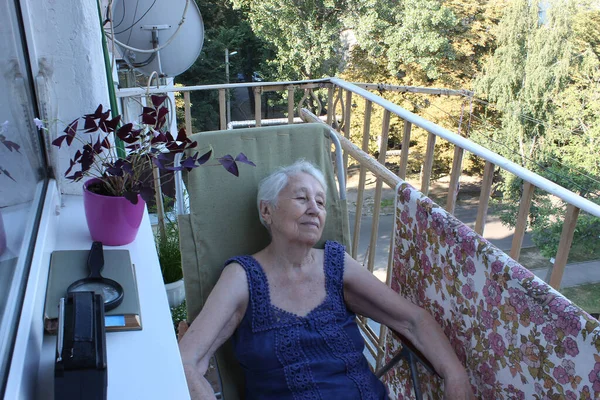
2, 235
114, 221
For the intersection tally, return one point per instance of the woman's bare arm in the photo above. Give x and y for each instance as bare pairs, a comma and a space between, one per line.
367, 296
220, 316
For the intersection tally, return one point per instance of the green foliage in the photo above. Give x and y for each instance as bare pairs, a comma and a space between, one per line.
421, 42
541, 77
169, 254
449, 40
540, 73
544, 78
411, 32
305, 35
225, 28
585, 238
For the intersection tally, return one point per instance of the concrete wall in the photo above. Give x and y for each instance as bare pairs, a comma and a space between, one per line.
65, 45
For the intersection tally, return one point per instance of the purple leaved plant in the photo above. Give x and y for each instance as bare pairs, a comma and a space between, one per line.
146, 143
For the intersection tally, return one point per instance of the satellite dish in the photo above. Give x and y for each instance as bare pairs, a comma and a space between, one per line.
165, 36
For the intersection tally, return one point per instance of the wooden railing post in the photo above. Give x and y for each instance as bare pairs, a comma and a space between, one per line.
158, 198
257, 106
187, 112
428, 164
454, 179
521, 226
290, 104
347, 119
330, 110
362, 178
388, 281
484, 197
385, 128
222, 115
564, 246
404, 152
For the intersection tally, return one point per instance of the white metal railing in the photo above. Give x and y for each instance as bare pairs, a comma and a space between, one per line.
532, 180
132, 92
340, 92
575, 203
466, 144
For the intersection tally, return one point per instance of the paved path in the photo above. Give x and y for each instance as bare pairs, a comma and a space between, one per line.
575, 274
495, 232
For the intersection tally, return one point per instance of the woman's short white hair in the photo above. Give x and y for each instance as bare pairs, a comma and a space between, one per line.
270, 186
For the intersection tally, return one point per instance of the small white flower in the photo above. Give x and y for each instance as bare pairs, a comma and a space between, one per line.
39, 123
3, 126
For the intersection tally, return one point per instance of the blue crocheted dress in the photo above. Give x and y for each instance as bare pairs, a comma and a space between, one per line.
319, 356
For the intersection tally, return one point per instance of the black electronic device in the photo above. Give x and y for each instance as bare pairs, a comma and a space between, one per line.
80, 370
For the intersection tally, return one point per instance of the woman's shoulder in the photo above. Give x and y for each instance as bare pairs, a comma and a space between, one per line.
234, 270
244, 261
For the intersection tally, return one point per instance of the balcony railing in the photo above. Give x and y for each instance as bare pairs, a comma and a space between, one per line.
340, 96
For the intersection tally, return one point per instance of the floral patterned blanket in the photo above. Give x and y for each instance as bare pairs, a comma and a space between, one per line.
517, 337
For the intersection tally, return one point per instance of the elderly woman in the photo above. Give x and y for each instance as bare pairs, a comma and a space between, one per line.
291, 309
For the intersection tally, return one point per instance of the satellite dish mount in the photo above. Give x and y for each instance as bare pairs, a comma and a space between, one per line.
151, 23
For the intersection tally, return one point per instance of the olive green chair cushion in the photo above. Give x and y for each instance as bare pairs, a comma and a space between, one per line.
223, 220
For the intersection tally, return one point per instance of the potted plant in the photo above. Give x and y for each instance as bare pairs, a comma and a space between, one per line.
118, 183
169, 257
11, 146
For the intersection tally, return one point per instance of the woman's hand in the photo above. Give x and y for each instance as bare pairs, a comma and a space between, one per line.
458, 387
367, 296
182, 328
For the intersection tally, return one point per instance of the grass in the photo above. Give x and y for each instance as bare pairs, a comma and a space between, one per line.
531, 258
585, 296
169, 255
581, 252
387, 203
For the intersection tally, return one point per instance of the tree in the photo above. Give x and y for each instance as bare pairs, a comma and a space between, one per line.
224, 28
544, 81
409, 33
305, 35
432, 43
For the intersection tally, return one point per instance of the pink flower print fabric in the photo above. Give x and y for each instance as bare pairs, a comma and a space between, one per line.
518, 338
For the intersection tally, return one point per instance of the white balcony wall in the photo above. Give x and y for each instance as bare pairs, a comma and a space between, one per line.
65, 46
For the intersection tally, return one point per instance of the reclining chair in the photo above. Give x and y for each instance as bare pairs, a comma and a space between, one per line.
223, 219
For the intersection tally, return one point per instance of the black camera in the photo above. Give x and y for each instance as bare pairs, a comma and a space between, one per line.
80, 370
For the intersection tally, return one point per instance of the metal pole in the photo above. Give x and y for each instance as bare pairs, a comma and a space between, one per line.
227, 106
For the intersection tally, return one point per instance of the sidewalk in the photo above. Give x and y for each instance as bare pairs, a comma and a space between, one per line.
575, 274
466, 210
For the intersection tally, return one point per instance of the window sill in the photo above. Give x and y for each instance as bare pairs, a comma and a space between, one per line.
141, 364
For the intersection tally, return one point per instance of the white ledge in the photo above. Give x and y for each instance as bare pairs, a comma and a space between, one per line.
141, 364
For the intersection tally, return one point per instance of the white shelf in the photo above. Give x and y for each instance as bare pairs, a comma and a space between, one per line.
141, 364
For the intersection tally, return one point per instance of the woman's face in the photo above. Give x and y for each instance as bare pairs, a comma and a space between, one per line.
300, 212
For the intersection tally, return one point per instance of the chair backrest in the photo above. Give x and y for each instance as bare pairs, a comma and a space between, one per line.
223, 220
517, 337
